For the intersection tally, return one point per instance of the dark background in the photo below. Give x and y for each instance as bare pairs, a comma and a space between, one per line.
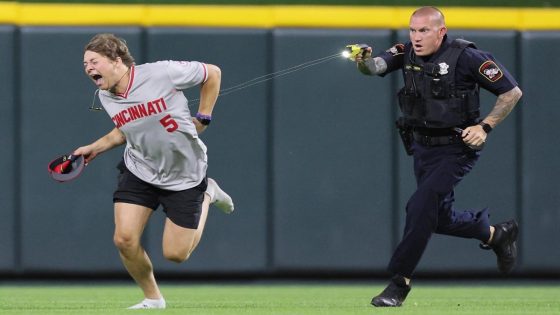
312, 159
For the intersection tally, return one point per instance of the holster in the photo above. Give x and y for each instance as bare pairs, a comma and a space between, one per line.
405, 131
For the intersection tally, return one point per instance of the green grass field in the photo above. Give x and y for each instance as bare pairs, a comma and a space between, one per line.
433, 299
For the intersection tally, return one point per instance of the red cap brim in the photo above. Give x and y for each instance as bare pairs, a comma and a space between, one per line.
66, 167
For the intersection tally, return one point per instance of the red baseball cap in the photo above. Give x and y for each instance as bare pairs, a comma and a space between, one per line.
66, 167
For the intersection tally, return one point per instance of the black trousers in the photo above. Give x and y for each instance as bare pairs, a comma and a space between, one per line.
438, 169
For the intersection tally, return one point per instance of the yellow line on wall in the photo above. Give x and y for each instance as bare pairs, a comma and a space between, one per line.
207, 15
269, 16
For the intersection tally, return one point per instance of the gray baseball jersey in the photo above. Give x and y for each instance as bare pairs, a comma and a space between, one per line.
162, 145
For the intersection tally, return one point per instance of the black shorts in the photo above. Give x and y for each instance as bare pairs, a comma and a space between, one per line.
181, 207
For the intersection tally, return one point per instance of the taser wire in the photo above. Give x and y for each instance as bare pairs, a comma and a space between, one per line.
248, 83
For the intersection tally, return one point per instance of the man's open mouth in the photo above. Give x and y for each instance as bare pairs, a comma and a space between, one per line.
97, 78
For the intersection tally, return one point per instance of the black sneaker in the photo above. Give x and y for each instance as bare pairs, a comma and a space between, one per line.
394, 294
504, 244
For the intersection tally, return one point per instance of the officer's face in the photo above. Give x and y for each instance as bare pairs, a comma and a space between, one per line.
426, 34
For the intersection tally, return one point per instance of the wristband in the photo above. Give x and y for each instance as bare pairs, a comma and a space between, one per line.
486, 127
204, 119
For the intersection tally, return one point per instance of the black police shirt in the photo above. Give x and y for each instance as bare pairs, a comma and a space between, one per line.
473, 66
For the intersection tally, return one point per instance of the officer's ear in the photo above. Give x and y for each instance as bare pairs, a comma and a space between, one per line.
442, 31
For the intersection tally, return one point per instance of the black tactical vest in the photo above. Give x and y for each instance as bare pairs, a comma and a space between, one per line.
430, 97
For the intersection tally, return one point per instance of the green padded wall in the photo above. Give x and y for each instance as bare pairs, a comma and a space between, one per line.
9, 227
311, 158
540, 151
331, 156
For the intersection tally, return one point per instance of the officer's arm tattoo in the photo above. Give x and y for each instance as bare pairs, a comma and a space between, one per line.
504, 105
372, 66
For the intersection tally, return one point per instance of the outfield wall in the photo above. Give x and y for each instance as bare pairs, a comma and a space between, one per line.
312, 159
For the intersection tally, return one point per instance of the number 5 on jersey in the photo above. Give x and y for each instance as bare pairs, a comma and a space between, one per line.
169, 123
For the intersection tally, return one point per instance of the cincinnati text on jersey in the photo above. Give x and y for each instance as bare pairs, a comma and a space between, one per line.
139, 111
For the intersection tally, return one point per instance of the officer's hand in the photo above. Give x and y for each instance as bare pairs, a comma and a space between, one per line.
364, 56
474, 137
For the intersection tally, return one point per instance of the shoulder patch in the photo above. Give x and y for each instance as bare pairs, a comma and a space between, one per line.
398, 49
490, 70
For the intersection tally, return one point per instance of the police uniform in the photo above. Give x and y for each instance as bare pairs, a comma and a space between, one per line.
441, 93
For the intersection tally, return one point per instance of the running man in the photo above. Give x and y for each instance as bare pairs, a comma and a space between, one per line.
164, 160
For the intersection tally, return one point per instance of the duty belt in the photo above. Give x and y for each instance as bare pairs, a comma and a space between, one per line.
437, 140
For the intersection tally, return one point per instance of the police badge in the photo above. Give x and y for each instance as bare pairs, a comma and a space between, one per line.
396, 50
443, 68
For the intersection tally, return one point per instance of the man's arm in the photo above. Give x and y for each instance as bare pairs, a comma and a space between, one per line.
504, 105
372, 66
107, 142
390, 60
475, 135
209, 92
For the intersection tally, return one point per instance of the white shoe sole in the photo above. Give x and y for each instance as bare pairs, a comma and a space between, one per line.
145, 305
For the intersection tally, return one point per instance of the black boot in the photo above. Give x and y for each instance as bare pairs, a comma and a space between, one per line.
394, 294
504, 244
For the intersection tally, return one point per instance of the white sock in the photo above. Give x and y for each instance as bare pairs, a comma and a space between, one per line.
149, 304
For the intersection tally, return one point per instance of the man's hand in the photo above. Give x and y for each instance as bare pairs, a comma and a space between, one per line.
474, 137
199, 126
107, 142
360, 58
87, 151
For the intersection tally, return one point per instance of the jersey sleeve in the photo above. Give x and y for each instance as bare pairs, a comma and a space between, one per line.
488, 72
186, 74
394, 57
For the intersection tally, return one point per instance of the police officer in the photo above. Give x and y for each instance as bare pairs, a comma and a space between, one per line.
442, 128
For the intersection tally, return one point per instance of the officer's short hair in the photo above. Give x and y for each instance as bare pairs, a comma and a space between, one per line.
421, 9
